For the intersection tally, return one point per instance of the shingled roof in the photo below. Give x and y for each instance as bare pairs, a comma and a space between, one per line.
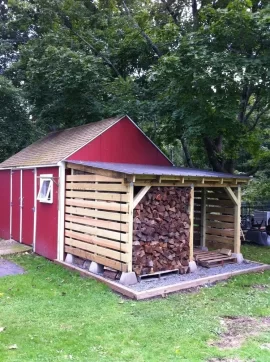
59, 145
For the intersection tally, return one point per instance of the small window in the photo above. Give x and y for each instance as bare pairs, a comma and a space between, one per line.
45, 193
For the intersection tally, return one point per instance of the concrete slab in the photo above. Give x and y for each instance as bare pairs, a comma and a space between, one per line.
9, 268
8, 247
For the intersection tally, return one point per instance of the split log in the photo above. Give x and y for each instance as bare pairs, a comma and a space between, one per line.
161, 231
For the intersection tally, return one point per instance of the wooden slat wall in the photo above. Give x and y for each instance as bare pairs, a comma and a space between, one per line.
97, 219
197, 216
219, 219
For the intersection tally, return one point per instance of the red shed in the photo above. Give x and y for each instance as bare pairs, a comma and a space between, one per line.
32, 189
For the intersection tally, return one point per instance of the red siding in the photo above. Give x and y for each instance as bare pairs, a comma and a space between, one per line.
28, 205
5, 204
122, 143
47, 219
16, 198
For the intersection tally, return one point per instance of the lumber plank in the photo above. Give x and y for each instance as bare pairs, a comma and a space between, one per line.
96, 240
95, 187
228, 218
93, 178
140, 195
97, 258
220, 203
95, 170
97, 232
191, 230
221, 232
220, 239
96, 249
220, 225
237, 222
99, 205
123, 227
114, 216
217, 209
92, 195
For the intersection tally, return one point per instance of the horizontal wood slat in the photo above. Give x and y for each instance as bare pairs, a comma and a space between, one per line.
96, 240
97, 258
228, 218
96, 187
221, 232
111, 206
93, 178
222, 210
217, 238
96, 249
220, 224
219, 202
123, 227
99, 214
92, 195
97, 232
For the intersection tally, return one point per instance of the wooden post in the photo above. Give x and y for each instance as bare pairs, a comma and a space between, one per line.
237, 221
203, 217
130, 225
191, 216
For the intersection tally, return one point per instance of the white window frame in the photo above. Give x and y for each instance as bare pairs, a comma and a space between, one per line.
45, 178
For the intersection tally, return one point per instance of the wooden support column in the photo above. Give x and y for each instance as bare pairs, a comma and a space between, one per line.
191, 216
237, 221
203, 217
130, 225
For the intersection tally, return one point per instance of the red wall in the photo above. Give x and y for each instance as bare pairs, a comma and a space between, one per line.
28, 203
122, 143
5, 204
16, 202
47, 219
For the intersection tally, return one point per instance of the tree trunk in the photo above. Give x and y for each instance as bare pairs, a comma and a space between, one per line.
186, 152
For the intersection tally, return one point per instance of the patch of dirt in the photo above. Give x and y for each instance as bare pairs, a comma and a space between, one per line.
237, 329
260, 286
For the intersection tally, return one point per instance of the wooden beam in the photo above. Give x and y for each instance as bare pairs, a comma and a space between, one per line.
231, 194
140, 195
97, 171
191, 216
237, 222
203, 217
130, 226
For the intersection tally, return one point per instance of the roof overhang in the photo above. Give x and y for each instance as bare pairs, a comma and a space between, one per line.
142, 175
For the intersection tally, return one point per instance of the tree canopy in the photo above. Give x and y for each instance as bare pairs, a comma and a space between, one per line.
193, 73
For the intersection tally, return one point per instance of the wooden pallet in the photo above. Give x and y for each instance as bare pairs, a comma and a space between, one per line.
158, 274
210, 259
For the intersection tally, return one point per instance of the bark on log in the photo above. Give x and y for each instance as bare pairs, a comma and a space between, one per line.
161, 231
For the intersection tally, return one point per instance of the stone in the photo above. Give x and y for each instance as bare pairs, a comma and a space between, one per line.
192, 266
69, 259
239, 257
202, 248
96, 268
128, 278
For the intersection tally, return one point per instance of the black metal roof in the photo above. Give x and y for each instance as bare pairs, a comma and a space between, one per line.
133, 169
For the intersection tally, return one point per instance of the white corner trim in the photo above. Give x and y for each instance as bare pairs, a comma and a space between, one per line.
61, 211
35, 211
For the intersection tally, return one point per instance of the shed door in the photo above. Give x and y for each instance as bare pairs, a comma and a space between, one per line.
16, 205
28, 206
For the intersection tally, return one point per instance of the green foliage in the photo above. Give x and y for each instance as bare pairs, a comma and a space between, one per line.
15, 128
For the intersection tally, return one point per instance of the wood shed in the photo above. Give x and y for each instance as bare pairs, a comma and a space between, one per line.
149, 218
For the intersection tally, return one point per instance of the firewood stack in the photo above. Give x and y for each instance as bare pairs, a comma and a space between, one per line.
161, 231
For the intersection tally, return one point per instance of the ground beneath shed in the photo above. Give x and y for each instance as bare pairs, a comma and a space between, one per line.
171, 279
9, 268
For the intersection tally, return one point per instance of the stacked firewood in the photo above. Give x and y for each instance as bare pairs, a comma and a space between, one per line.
161, 231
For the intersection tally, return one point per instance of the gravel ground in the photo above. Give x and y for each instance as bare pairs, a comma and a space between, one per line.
7, 242
201, 272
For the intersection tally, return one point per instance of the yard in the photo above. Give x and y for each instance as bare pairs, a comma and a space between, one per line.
51, 314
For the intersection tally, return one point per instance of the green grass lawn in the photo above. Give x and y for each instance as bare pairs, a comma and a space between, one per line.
52, 314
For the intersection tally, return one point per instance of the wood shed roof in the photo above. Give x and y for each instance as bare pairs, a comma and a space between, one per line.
58, 145
164, 172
